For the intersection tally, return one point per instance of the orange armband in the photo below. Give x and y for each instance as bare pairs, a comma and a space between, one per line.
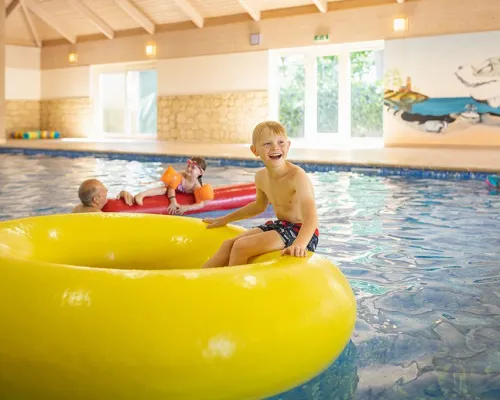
171, 178
204, 193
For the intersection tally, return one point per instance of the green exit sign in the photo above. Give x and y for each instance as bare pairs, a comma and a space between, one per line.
321, 38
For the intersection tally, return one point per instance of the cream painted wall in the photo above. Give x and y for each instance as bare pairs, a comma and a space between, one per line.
237, 72
224, 73
22, 73
65, 82
22, 84
460, 75
22, 57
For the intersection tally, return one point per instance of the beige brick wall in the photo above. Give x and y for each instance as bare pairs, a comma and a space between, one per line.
70, 116
22, 115
226, 117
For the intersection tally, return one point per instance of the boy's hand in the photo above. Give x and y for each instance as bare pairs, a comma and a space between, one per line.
294, 250
215, 222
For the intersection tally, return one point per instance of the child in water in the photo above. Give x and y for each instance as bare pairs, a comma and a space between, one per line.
191, 181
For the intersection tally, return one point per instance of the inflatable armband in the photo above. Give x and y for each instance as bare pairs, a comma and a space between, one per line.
204, 193
171, 178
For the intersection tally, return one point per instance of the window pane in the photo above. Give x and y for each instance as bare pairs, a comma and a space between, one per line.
148, 93
328, 94
292, 91
113, 96
367, 95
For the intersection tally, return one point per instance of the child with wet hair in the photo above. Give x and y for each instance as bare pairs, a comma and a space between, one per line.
191, 181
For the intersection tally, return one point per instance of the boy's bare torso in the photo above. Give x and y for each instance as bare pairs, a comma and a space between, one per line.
282, 193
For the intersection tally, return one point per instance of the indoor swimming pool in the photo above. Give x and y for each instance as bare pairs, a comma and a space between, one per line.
422, 256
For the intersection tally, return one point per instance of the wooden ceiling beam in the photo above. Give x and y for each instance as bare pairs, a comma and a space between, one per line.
322, 5
334, 6
11, 7
29, 22
191, 12
49, 20
252, 10
137, 15
97, 21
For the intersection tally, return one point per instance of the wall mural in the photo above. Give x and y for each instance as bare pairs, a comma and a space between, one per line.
446, 114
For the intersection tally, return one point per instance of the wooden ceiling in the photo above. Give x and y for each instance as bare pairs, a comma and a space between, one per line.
40, 22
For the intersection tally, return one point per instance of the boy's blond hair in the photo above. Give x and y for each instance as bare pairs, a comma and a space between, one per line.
273, 126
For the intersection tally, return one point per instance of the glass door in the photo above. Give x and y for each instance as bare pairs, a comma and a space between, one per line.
327, 94
127, 103
142, 95
367, 94
331, 93
113, 100
292, 92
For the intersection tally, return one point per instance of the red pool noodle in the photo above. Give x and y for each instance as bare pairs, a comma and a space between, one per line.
225, 198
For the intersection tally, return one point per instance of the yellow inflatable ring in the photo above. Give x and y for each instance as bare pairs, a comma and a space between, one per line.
114, 306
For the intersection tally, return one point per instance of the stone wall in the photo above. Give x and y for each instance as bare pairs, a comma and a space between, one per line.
224, 118
70, 116
22, 115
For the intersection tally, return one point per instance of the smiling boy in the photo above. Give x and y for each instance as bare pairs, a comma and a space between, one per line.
288, 188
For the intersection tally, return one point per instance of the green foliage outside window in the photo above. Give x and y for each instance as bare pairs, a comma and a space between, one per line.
366, 95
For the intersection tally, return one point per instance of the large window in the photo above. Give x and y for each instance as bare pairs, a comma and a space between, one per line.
126, 101
330, 91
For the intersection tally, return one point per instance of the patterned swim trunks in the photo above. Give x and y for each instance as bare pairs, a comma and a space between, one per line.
289, 232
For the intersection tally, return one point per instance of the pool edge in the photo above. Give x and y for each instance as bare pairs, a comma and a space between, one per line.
371, 168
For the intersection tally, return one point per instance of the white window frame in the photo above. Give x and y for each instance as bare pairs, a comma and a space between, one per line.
96, 72
343, 51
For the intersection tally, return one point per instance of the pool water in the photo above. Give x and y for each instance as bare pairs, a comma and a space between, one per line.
421, 255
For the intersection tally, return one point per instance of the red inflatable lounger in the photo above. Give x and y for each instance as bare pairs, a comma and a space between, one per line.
225, 198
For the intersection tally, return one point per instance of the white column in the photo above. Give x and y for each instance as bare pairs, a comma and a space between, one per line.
345, 95
2, 71
273, 89
311, 100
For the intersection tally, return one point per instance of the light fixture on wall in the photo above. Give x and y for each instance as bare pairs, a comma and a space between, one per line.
400, 24
73, 57
151, 49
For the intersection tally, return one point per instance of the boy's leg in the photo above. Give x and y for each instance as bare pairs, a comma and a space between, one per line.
247, 247
221, 258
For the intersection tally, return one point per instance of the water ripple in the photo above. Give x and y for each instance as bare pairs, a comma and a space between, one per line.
422, 257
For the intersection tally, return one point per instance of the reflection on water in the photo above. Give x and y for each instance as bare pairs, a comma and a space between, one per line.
422, 257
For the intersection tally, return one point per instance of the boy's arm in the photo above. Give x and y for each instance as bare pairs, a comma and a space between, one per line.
256, 207
307, 204
250, 210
